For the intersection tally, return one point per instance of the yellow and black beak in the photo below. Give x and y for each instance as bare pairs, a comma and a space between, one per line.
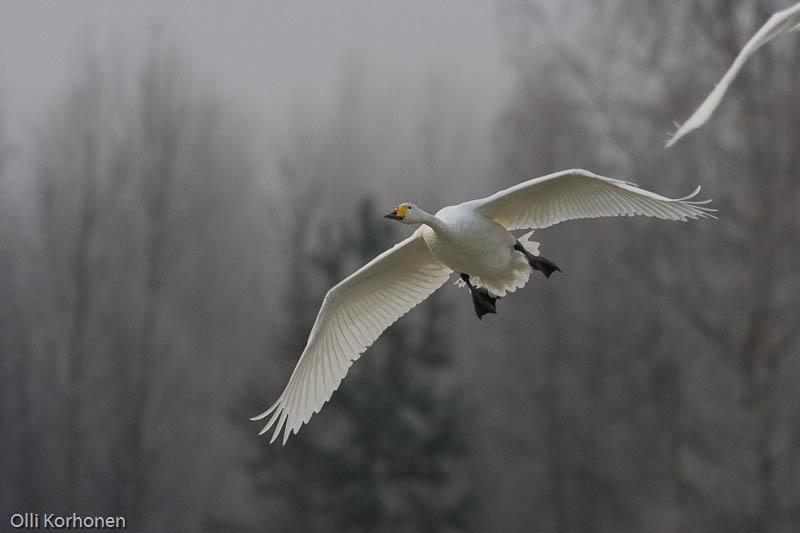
398, 214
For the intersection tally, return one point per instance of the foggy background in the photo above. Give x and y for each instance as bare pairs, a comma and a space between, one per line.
181, 182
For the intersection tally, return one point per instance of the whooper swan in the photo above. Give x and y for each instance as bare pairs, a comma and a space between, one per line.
778, 23
472, 239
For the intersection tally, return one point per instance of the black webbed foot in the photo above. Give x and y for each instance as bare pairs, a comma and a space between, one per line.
483, 302
537, 262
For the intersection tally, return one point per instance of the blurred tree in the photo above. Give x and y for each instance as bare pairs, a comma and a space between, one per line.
15, 401
386, 453
137, 181
709, 355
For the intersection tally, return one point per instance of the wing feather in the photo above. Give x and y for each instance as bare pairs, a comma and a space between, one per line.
775, 25
353, 315
574, 194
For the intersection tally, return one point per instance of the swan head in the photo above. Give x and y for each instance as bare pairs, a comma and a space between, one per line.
407, 213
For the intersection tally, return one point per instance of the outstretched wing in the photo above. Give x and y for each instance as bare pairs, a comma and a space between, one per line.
571, 194
353, 315
775, 25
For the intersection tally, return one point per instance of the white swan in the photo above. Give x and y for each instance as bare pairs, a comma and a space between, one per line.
472, 239
778, 23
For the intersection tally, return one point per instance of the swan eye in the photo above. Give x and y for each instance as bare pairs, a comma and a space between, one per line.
401, 211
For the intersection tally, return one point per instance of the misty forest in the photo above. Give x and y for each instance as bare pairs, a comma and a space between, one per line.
164, 252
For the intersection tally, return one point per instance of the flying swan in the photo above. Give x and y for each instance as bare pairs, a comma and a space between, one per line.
472, 239
778, 23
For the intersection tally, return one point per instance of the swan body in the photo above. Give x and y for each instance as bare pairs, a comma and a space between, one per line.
780, 22
468, 242
472, 239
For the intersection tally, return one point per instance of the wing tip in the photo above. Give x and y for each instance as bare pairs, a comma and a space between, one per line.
703, 212
687, 199
673, 137
279, 415
265, 414
678, 135
281, 425
696, 207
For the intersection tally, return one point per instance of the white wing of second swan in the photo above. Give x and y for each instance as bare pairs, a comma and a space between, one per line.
777, 24
572, 194
353, 314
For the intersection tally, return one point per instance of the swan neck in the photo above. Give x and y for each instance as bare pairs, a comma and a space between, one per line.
431, 221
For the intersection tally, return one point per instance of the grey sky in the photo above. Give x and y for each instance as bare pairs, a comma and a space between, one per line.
266, 52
